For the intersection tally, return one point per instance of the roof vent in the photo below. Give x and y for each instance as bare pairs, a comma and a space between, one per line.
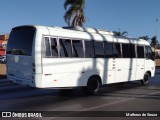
89, 30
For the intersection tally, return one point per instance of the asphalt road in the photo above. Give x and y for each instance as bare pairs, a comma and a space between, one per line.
129, 97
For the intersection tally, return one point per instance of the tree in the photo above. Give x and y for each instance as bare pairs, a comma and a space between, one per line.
74, 15
154, 42
144, 38
120, 33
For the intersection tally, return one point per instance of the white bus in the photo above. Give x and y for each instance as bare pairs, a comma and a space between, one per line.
43, 57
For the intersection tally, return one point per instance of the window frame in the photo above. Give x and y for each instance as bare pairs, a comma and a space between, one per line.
45, 48
82, 41
134, 50
102, 42
137, 51
92, 41
23, 40
58, 45
114, 43
105, 50
130, 50
151, 56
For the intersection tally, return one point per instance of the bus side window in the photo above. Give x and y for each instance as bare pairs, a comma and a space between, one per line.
128, 51
132, 51
65, 48
89, 49
54, 47
77, 48
140, 52
47, 47
117, 50
148, 52
99, 50
108, 50
125, 51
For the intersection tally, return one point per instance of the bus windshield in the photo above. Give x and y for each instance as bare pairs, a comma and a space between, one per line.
20, 41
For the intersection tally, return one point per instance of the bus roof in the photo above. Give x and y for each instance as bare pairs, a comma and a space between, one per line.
88, 33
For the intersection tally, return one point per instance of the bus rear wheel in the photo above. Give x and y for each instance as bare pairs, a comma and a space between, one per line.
92, 86
145, 79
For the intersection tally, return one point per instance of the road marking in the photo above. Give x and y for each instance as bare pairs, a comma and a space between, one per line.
119, 101
108, 104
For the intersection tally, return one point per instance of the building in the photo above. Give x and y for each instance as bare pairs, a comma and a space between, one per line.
3, 44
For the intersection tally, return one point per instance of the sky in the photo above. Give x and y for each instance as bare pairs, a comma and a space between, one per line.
137, 17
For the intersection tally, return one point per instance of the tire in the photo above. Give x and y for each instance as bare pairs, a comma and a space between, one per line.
145, 79
92, 86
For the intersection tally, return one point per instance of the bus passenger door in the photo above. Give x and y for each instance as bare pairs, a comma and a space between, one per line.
149, 60
109, 71
121, 65
140, 63
126, 63
109, 64
140, 69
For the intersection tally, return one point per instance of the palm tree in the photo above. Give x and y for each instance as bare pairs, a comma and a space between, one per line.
144, 37
154, 42
120, 33
74, 15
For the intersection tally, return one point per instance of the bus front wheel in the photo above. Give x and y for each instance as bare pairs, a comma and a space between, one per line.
92, 86
145, 79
